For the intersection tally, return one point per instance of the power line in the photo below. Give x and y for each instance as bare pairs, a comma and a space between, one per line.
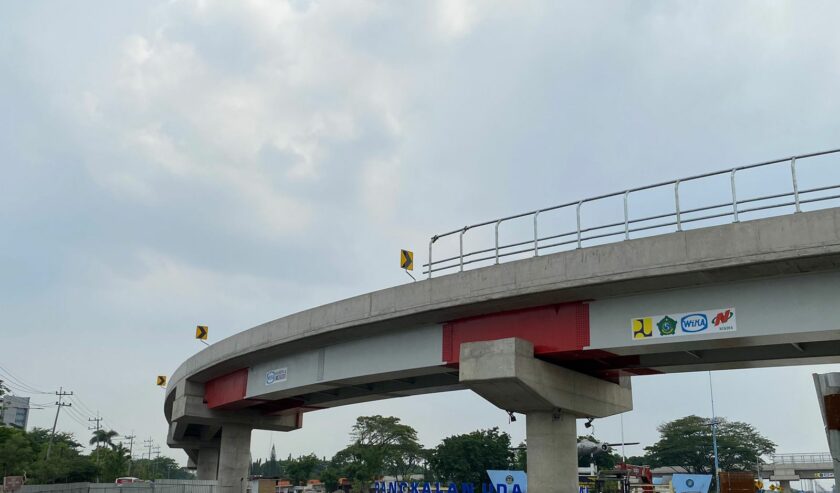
89, 410
76, 417
17, 384
16, 388
79, 402
21, 383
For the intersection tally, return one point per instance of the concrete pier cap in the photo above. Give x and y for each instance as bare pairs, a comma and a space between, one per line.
506, 373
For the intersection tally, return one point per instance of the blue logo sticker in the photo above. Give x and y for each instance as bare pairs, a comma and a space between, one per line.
696, 322
274, 376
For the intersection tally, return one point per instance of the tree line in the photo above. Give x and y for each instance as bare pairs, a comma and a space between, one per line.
383, 446
25, 454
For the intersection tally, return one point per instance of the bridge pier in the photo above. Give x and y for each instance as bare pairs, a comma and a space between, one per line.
828, 392
506, 373
552, 446
234, 458
207, 463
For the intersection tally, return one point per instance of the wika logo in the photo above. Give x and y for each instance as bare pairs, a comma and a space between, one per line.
696, 322
723, 317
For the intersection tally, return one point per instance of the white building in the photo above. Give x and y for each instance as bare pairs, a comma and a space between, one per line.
15, 411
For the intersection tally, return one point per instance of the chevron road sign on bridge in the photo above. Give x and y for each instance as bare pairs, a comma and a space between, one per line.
201, 332
407, 259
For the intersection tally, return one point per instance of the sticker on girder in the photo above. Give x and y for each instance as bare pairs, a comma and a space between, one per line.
683, 324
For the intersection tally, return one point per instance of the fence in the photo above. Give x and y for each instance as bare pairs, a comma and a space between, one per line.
815, 458
731, 209
158, 486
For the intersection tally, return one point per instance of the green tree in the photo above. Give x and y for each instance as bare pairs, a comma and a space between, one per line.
113, 463
16, 452
330, 476
520, 457
467, 457
687, 442
22, 452
3, 391
300, 470
381, 445
639, 460
272, 467
159, 468
103, 437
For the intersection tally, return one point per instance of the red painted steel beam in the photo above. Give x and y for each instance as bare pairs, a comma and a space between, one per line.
554, 329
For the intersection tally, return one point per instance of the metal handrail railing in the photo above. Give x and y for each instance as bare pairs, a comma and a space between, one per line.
813, 458
678, 218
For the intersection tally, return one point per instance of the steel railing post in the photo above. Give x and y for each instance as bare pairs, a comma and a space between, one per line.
626, 217
795, 184
578, 223
431, 242
461, 248
497, 240
734, 197
677, 203
536, 235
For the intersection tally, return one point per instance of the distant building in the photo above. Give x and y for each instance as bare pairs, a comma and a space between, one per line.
15, 411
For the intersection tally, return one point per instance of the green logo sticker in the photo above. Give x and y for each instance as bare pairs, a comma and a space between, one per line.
667, 326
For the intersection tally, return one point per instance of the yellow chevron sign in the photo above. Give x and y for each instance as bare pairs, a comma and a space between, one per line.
201, 332
161, 381
407, 259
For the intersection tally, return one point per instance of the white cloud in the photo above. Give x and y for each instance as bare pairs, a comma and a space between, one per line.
457, 17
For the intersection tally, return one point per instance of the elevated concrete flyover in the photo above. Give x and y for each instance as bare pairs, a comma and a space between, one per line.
555, 336
786, 468
749, 294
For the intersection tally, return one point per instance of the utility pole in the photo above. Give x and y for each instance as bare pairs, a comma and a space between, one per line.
61, 393
714, 435
97, 419
154, 466
148, 444
130, 439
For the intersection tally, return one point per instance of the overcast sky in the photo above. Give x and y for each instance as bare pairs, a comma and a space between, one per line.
227, 163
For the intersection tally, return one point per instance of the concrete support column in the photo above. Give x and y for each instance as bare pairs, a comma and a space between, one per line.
506, 373
552, 452
828, 393
785, 486
234, 458
207, 463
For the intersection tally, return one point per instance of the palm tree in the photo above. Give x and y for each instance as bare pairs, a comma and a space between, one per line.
102, 436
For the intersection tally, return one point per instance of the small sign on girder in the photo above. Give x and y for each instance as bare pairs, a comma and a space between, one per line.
407, 259
201, 332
